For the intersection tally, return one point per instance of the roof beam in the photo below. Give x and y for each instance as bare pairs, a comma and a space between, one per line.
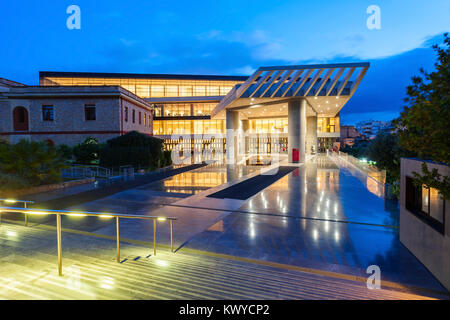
344, 83
247, 83
274, 78
358, 80
324, 80
318, 73
261, 82
318, 66
335, 80
281, 82
299, 73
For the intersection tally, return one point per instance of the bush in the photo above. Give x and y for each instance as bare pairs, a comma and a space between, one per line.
133, 148
167, 156
87, 152
65, 151
11, 182
34, 162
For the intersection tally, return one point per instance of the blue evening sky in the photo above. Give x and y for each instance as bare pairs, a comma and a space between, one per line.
227, 37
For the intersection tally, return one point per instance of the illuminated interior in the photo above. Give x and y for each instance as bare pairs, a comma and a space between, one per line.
150, 88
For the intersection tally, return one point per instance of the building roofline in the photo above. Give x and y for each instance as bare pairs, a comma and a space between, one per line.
75, 91
318, 66
140, 76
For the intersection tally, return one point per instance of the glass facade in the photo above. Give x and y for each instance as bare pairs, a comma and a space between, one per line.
273, 125
328, 125
184, 109
169, 127
151, 88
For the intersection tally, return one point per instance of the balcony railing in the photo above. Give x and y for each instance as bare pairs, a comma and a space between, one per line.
59, 213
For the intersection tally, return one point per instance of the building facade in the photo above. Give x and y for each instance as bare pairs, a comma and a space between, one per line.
425, 220
71, 114
273, 111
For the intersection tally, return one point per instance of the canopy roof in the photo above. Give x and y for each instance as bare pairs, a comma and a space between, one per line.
317, 83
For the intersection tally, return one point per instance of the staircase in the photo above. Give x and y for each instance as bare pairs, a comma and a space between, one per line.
28, 271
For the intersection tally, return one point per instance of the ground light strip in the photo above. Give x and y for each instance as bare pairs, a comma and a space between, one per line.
336, 275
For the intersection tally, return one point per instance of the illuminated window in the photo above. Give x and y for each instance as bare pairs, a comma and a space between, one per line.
426, 203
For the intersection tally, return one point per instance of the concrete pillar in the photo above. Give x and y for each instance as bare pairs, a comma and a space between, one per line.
233, 126
297, 127
311, 134
244, 141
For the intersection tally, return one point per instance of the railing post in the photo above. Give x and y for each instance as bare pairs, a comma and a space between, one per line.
58, 231
154, 237
171, 235
118, 239
26, 214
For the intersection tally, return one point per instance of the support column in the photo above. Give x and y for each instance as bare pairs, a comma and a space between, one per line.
311, 134
232, 126
244, 140
297, 127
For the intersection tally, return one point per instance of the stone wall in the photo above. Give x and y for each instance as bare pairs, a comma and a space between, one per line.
430, 246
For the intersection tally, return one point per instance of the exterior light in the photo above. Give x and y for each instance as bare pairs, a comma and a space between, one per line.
10, 201
162, 219
337, 97
76, 215
37, 212
105, 216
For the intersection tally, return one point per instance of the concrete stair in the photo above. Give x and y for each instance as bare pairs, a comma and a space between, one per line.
28, 270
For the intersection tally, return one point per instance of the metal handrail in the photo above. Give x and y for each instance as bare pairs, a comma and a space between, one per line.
117, 216
25, 203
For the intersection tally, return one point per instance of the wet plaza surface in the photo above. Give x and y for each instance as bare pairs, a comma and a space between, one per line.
322, 215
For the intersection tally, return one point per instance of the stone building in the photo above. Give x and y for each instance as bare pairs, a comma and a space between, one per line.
70, 114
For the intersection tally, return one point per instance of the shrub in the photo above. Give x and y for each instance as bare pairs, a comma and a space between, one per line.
133, 148
65, 151
86, 152
34, 162
11, 182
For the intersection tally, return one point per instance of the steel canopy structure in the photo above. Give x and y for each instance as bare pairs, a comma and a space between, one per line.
275, 85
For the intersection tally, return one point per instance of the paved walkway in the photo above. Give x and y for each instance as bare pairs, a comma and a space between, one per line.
322, 216
28, 271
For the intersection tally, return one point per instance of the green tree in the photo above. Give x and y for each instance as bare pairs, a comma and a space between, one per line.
86, 152
423, 125
134, 149
35, 162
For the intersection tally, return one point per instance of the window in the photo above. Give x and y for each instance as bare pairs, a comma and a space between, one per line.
89, 112
48, 113
426, 203
133, 116
140, 117
20, 119
126, 114
145, 119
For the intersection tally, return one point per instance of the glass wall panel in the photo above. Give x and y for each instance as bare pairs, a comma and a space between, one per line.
148, 88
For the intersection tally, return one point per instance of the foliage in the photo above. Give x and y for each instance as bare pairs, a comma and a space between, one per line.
87, 152
359, 150
65, 151
133, 148
12, 182
35, 162
386, 152
432, 179
423, 125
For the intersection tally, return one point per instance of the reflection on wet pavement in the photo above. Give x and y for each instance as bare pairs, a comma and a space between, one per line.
292, 223
195, 181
